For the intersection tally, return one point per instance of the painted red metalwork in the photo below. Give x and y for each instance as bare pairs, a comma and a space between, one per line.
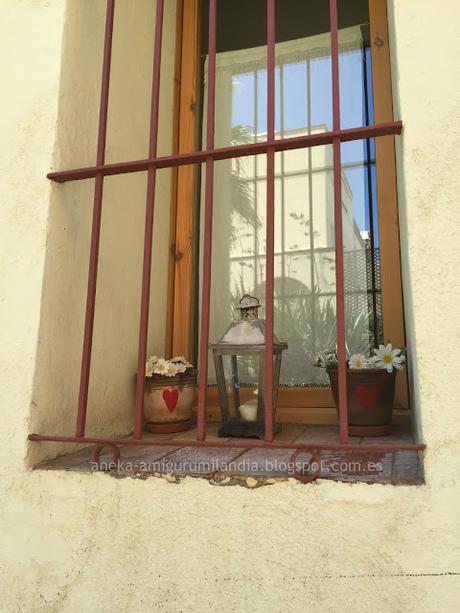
148, 236
207, 238
315, 464
270, 236
96, 225
114, 450
310, 449
339, 270
225, 153
237, 443
209, 156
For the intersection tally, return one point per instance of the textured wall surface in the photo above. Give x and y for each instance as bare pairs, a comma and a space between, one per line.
31, 35
116, 326
90, 542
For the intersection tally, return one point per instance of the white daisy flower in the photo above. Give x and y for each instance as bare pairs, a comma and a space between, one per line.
388, 358
166, 368
358, 360
182, 361
172, 370
371, 362
179, 358
149, 369
161, 367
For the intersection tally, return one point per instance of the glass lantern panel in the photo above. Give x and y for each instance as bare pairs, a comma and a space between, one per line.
242, 377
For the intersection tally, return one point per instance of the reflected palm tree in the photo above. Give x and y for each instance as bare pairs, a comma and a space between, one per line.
304, 316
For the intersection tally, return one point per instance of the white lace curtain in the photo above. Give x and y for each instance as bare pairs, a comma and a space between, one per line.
301, 262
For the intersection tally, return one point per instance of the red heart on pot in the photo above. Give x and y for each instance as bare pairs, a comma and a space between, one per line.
171, 397
367, 396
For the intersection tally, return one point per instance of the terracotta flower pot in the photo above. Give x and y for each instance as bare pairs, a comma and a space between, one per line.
168, 402
370, 395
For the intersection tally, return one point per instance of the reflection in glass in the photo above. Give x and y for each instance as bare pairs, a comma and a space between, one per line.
305, 311
303, 88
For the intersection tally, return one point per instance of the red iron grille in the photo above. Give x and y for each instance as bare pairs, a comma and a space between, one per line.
209, 155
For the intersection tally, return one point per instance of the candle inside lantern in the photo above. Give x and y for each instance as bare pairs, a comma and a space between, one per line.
248, 410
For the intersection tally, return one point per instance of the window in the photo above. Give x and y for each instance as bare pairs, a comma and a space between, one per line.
286, 107
304, 261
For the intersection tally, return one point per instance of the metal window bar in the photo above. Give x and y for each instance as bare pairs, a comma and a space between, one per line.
225, 153
96, 224
207, 238
148, 237
270, 224
339, 274
209, 156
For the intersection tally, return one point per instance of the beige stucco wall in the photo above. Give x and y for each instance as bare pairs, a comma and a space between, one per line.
114, 356
73, 542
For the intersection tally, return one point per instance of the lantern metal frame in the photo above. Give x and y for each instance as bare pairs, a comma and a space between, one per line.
232, 425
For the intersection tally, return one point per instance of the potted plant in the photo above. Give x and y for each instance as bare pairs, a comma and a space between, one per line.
168, 394
370, 388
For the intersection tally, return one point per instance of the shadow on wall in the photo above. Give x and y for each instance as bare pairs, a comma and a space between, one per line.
114, 358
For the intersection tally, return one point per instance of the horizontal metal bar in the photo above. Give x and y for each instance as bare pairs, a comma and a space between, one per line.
239, 444
224, 153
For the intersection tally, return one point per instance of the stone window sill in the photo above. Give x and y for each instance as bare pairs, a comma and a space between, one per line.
257, 466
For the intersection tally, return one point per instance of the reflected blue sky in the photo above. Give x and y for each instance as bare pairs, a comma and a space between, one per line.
294, 104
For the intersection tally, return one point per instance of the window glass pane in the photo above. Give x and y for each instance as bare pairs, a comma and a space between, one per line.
363, 304
303, 81
355, 66
305, 314
305, 288
238, 254
304, 261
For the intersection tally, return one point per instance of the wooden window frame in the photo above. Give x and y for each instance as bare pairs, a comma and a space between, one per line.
300, 405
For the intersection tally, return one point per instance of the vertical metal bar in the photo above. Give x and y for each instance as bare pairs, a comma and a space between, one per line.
314, 294
256, 179
207, 238
148, 233
339, 270
96, 224
270, 238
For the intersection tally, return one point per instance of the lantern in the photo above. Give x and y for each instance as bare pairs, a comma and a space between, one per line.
239, 364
